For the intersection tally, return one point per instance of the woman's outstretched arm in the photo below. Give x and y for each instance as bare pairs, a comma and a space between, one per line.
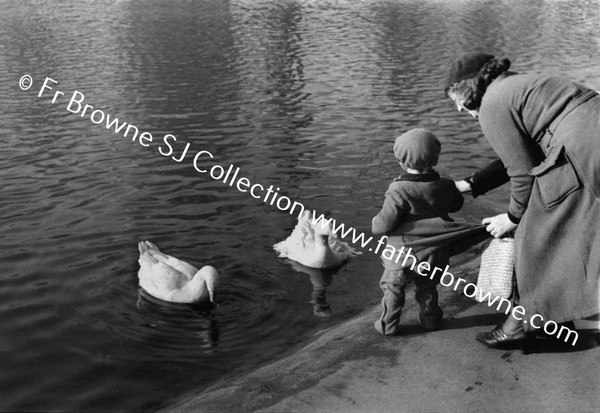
490, 177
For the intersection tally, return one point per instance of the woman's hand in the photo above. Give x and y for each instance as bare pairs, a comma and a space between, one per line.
462, 186
499, 226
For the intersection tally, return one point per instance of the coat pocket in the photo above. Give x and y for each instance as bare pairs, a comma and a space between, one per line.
556, 177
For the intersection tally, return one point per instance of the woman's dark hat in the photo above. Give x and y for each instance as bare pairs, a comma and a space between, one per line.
465, 67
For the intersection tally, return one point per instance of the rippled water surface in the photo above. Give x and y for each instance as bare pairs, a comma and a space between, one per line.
306, 96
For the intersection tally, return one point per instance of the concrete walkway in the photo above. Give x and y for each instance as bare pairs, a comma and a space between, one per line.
445, 371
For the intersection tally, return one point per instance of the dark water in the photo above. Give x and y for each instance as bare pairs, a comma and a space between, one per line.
306, 96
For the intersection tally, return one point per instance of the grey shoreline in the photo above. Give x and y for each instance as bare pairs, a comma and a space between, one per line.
352, 368
351, 340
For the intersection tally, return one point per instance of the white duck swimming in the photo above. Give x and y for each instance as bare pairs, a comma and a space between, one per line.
315, 245
170, 279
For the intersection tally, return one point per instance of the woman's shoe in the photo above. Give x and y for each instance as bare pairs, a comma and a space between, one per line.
497, 338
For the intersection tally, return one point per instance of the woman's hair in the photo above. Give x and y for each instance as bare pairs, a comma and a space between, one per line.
470, 91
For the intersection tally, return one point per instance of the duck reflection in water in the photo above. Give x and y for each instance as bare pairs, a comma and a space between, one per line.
176, 319
320, 280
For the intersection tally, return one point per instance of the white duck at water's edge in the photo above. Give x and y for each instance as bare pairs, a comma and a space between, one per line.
171, 279
315, 244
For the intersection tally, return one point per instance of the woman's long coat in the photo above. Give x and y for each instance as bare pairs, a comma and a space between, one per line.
546, 131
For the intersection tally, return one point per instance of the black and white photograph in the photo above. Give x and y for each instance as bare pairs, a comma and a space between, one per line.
300, 206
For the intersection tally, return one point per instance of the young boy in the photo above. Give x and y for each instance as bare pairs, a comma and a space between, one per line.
416, 203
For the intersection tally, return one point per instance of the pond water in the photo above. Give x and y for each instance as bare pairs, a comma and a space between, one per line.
306, 96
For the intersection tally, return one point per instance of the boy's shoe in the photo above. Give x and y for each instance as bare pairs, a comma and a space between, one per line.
431, 324
430, 313
386, 332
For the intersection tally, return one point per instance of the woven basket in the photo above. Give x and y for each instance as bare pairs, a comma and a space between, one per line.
497, 269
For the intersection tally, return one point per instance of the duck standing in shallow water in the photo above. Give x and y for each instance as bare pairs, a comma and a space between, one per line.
173, 280
315, 245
